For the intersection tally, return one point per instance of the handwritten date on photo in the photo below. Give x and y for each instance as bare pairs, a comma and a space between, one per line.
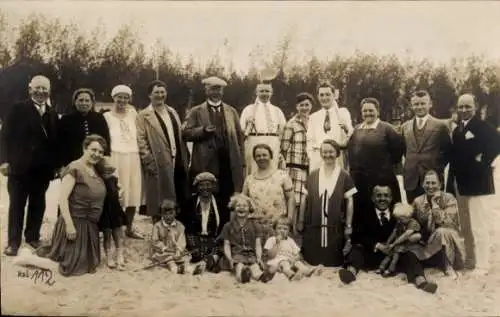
37, 276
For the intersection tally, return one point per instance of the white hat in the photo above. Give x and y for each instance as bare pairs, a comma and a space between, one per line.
121, 89
39, 80
214, 81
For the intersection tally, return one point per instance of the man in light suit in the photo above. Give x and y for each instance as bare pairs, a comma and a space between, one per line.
427, 145
476, 144
218, 148
330, 122
28, 158
262, 122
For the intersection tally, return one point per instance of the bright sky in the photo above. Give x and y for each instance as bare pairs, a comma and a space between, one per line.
438, 30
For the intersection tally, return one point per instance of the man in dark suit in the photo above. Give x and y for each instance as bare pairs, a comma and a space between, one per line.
214, 128
370, 233
476, 144
27, 157
428, 145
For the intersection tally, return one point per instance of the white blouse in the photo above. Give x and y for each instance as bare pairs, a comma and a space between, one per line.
123, 131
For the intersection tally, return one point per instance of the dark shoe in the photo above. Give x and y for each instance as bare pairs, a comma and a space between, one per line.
346, 276
266, 276
35, 244
217, 268
388, 273
198, 270
10, 251
379, 271
429, 287
246, 275
210, 262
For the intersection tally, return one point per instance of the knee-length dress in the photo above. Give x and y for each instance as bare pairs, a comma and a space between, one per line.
324, 219
125, 156
85, 206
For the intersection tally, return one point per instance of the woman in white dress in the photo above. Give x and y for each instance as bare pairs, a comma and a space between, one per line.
125, 153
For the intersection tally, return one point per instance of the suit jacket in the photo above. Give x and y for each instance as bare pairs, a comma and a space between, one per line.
157, 159
473, 151
367, 230
192, 218
204, 147
432, 153
28, 146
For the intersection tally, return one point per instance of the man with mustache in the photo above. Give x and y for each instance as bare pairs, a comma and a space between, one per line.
27, 157
476, 144
262, 122
214, 128
163, 153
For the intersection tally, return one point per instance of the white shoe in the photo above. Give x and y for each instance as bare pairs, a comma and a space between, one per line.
479, 272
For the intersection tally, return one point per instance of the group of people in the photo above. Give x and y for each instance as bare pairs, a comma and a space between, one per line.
256, 195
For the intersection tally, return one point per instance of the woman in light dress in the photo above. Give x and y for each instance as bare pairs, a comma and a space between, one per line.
125, 153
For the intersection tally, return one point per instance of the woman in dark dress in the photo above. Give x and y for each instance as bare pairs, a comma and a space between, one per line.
75, 126
374, 149
329, 211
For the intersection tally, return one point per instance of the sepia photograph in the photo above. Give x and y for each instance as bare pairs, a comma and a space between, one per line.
250, 158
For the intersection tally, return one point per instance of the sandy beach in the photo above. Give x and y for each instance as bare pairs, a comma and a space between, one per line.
157, 292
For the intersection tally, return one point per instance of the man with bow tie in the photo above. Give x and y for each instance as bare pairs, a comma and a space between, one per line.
476, 146
214, 128
330, 122
428, 145
262, 122
368, 246
27, 157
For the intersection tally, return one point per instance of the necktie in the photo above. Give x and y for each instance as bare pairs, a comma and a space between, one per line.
327, 125
461, 126
383, 218
41, 109
268, 119
420, 123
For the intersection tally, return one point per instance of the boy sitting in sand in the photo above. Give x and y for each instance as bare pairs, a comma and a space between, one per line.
284, 254
168, 242
406, 231
242, 242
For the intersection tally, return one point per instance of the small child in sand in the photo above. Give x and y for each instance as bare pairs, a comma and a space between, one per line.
242, 242
284, 254
169, 242
406, 232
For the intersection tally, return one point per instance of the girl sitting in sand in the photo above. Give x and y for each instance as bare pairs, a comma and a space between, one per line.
406, 232
168, 242
284, 254
242, 242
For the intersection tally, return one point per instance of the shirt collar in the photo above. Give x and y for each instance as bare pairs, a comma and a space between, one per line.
172, 225
466, 122
379, 213
38, 105
424, 118
213, 104
374, 125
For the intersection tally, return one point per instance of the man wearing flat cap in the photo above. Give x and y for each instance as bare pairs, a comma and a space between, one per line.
215, 131
262, 122
27, 157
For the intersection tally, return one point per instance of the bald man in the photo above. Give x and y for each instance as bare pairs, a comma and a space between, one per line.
476, 144
27, 157
262, 122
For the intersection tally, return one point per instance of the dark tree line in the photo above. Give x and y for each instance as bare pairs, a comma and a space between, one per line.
73, 59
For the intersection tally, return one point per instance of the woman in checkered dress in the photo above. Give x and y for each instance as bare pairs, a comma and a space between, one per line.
204, 224
293, 150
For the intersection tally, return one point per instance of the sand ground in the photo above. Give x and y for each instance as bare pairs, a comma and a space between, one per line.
157, 292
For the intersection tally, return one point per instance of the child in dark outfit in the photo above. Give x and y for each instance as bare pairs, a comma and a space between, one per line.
242, 242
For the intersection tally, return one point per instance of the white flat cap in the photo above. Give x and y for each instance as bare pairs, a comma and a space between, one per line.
214, 81
121, 89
